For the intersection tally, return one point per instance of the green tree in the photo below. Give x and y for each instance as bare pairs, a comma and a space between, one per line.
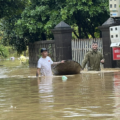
3, 52
10, 12
41, 16
87, 15
11, 7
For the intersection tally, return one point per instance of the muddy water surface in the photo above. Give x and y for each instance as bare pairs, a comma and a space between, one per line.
87, 96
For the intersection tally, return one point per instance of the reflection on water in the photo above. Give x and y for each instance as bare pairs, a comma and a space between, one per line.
117, 95
86, 96
46, 91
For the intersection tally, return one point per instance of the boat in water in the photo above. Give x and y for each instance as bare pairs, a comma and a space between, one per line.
69, 67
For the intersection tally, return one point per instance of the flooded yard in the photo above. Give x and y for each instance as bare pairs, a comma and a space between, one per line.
87, 96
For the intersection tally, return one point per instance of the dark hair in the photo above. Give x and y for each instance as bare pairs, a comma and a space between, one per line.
94, 42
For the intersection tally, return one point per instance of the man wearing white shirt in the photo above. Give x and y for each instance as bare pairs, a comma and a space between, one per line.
44, 64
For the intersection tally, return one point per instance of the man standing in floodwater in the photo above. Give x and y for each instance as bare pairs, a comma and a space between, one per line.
93, 58
44, 64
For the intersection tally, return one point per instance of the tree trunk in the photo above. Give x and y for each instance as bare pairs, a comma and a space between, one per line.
24, 53
86, 35
76, 34
43, 36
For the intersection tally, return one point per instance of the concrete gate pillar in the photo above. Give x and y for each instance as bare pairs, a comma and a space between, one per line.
107, 50
63, 36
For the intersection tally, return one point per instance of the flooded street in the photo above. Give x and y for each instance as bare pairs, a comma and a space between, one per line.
87, 96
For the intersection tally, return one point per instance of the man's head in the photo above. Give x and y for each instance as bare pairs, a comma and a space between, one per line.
94, 45
44, 52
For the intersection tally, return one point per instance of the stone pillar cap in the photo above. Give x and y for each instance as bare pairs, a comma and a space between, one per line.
62, 24
109, 21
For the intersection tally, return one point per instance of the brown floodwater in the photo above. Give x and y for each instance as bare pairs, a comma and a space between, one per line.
87, 96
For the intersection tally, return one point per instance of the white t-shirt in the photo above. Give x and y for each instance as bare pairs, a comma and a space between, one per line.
45, 65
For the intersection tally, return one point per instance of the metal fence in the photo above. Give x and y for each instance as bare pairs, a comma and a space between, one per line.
81, 46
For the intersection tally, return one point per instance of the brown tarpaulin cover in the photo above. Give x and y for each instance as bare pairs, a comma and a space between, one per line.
69, 67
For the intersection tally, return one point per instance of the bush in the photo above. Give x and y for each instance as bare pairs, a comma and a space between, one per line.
4, 53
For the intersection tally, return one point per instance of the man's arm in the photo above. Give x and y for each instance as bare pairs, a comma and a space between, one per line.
54, 63
85, 61
38, 72
102, 59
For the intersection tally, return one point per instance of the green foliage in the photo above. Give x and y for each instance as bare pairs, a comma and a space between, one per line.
3, 52
10, 12
40, 16
11, 7
86, 14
